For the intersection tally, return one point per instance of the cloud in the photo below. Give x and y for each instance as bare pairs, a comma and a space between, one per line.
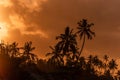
31, 5
18, 23
44, 19
17, 20
5, 3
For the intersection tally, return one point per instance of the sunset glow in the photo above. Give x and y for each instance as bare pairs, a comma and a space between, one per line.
59, 39
3, 31
44, 19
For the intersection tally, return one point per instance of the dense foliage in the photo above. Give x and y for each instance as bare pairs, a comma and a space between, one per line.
64, 61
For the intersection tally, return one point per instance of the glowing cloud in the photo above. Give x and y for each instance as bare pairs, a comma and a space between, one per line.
31, 5
15, 20
3, 30
5, 3
18, 23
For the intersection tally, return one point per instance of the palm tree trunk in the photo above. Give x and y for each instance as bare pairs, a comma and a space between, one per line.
82, 45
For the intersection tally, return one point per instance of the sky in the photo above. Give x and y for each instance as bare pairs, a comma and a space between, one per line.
40, 21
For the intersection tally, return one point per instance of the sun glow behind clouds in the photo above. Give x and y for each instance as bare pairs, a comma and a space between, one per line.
5, 3
3, 30
16, 21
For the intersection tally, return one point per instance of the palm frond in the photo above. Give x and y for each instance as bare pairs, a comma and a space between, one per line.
48, 54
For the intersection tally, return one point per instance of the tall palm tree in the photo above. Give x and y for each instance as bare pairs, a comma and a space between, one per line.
67, 42
84, 30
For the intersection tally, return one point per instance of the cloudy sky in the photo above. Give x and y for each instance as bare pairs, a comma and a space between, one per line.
41, 20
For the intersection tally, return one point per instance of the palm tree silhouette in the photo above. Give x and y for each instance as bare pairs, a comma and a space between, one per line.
14, 50
118, 74
90, 62
106, 60
112, 65
27, 52
56, 57
84, 30
82, 63
67, 43
2, 47
96, 62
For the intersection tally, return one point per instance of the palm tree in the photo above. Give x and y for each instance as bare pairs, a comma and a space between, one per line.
14, 50
27, 52
67, 42
82, 63
112, 65
106, 60
118, 74
96, 61
56, 57
89, 64
84, 30
2, 47
98, 64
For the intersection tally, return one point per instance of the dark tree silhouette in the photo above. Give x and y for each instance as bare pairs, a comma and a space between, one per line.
105, 63
67, 44
84, 30
112, 65
118, 74
14, 50
82, 63
56, 58
67, 41
27, 52
64, 61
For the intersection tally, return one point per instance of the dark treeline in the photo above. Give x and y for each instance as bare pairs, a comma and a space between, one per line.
64, 62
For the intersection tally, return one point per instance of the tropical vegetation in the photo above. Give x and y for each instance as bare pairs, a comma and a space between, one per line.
64, 62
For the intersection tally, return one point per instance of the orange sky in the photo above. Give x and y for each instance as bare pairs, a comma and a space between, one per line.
41, 20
